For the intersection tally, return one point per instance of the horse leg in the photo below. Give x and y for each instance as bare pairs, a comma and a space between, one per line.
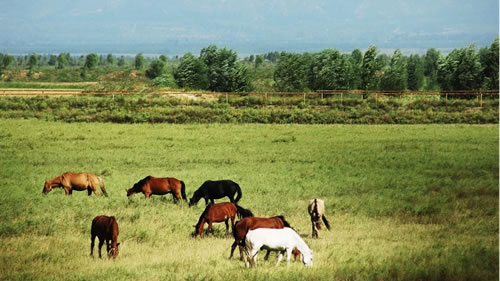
89, 191
92, 243
241, 252
314, 230
288, 255
232, 249
266, 257
101, 242
210, 228
176, 196
227, 225
280, 257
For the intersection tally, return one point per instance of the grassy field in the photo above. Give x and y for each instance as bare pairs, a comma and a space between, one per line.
405, 202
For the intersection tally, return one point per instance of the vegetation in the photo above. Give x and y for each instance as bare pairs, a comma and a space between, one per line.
220, 69
405, 202
252, 109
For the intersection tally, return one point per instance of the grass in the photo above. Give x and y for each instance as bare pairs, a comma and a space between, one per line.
405, 202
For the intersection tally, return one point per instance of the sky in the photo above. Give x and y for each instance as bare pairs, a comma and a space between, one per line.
258, 26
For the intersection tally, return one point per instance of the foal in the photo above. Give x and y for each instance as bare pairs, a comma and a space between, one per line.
316, 210
106, 229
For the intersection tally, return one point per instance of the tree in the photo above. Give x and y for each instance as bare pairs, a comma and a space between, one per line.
7, 60
62, 60
121, 61
33, 62
139, 61
156, 69
191, 73
488, 58
91, 61
110, 60
164, 58
224, 72
460, 70
292, 71
395, 74
259, 59
329, 70
369, 68
415, 69
355, 59
431, 60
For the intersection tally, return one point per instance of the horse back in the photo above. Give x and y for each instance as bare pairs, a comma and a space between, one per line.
105, 227
219, 189
78, 180
163, 185
221, 211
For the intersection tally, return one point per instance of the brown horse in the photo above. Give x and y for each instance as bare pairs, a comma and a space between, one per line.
106, 229
241, 228
316, 209
220, 212
159, 186
76, 181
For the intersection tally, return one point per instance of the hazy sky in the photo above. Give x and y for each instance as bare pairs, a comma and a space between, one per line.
248, 26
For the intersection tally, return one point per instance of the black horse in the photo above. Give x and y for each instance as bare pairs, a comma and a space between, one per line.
211, 190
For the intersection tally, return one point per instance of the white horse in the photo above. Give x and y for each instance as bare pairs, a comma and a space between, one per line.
284, 239
316, 209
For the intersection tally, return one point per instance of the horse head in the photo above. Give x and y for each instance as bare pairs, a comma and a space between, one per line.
307, 258
112, 250
47, 187
130, 192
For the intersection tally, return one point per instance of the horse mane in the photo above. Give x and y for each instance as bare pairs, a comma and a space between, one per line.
141, 183
285, 223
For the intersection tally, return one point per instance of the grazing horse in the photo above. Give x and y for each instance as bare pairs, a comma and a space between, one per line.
316, 210
283, 239
76, 181
159, 186
106, 229
211, 190
220, 212
241, 228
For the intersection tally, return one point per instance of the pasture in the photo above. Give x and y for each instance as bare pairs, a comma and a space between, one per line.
407, 202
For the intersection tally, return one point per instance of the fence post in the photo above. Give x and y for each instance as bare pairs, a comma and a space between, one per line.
227, 98
481, 101
304, 98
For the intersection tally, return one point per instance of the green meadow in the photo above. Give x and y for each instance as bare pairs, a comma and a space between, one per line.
405, 202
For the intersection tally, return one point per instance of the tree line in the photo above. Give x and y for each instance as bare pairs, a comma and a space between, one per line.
221, 70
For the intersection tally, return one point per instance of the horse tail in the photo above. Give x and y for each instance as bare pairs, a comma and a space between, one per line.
285, 223
242, 212
183, 191
101, 184
238, 190
325, 221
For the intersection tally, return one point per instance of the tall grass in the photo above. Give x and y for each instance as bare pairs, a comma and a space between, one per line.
405, 202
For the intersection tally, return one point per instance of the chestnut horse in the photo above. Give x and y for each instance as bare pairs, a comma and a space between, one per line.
159, 186
316, 209
243, 226
76, 181
106, 229
211, 190
220, 212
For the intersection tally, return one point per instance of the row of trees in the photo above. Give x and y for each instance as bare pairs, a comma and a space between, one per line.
462, 69
221, 70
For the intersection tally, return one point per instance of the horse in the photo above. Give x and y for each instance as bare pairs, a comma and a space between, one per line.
283, 239
211, 190
159, 186
76, 181
241, 228
316, 209
220, 212
106, 229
